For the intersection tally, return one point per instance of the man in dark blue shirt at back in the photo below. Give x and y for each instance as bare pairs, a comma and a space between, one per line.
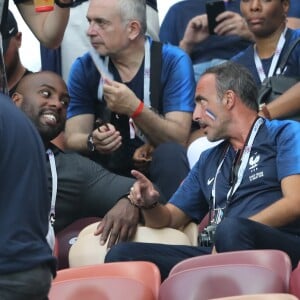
26, 261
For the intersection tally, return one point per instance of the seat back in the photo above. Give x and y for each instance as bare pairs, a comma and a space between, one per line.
145, 272
265, 296
104, 288
67, 237
295, 282
220, 281
276, 260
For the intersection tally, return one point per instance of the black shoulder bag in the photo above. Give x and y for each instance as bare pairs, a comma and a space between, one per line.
274, 86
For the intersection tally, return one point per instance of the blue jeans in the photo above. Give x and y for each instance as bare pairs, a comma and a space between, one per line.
235, 234
164, 256
33, 284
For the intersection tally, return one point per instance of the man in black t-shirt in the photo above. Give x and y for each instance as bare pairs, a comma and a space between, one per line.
84, 188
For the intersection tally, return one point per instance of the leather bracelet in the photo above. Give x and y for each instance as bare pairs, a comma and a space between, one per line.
142, 206
138, 110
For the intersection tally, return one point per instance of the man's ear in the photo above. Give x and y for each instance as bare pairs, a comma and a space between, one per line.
134, 28
229, 99
17, 99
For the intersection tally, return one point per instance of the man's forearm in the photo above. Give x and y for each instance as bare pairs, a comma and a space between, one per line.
279, 214
159, 129
157, 217
77, 142
285, 105
48, 27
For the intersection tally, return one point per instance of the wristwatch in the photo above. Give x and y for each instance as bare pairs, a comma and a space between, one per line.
90, 143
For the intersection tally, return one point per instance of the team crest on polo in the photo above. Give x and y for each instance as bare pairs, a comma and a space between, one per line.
253, 167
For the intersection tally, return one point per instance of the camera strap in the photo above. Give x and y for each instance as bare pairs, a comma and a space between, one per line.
239, 167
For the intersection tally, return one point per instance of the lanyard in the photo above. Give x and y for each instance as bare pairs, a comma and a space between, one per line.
147, 74
257, 60
244, 161
102, 67
133, 129
54, 184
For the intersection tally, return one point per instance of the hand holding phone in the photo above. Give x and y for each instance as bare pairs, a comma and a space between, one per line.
213, 9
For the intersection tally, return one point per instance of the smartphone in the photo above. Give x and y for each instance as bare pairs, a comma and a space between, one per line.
213, 9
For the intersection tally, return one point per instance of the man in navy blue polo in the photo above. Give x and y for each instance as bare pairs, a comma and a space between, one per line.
250, 182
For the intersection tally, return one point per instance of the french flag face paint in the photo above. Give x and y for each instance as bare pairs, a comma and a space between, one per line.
210, 114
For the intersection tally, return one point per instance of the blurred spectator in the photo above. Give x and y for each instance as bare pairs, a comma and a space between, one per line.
12, 40
267, 21
185, 25
26, 262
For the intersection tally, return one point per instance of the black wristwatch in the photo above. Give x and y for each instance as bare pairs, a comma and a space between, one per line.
90, 143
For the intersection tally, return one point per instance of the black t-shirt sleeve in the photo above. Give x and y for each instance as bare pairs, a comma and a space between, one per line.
101, 189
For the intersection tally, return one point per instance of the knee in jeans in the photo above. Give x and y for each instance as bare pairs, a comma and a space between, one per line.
227, 233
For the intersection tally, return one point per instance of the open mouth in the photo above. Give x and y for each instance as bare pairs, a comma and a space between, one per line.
49, 119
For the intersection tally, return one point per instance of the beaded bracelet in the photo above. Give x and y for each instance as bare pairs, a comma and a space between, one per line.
142, 206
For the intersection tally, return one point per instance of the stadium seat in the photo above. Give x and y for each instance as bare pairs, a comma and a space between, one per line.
271, 296
295, 282
275, 260
142, 271
67, 237
208, 282
104, 288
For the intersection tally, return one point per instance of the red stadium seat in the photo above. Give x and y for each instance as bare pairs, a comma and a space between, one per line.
208, 282
105, 288
145, 272
275, 260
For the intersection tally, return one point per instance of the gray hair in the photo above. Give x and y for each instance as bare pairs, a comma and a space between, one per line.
235, 77
134, 10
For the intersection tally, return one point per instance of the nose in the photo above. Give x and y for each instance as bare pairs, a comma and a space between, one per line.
56, 102
198, 113
92, 29
255, 5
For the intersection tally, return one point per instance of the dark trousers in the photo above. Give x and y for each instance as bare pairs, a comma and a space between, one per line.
168, 168
164, 256
33, 284
234, 234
